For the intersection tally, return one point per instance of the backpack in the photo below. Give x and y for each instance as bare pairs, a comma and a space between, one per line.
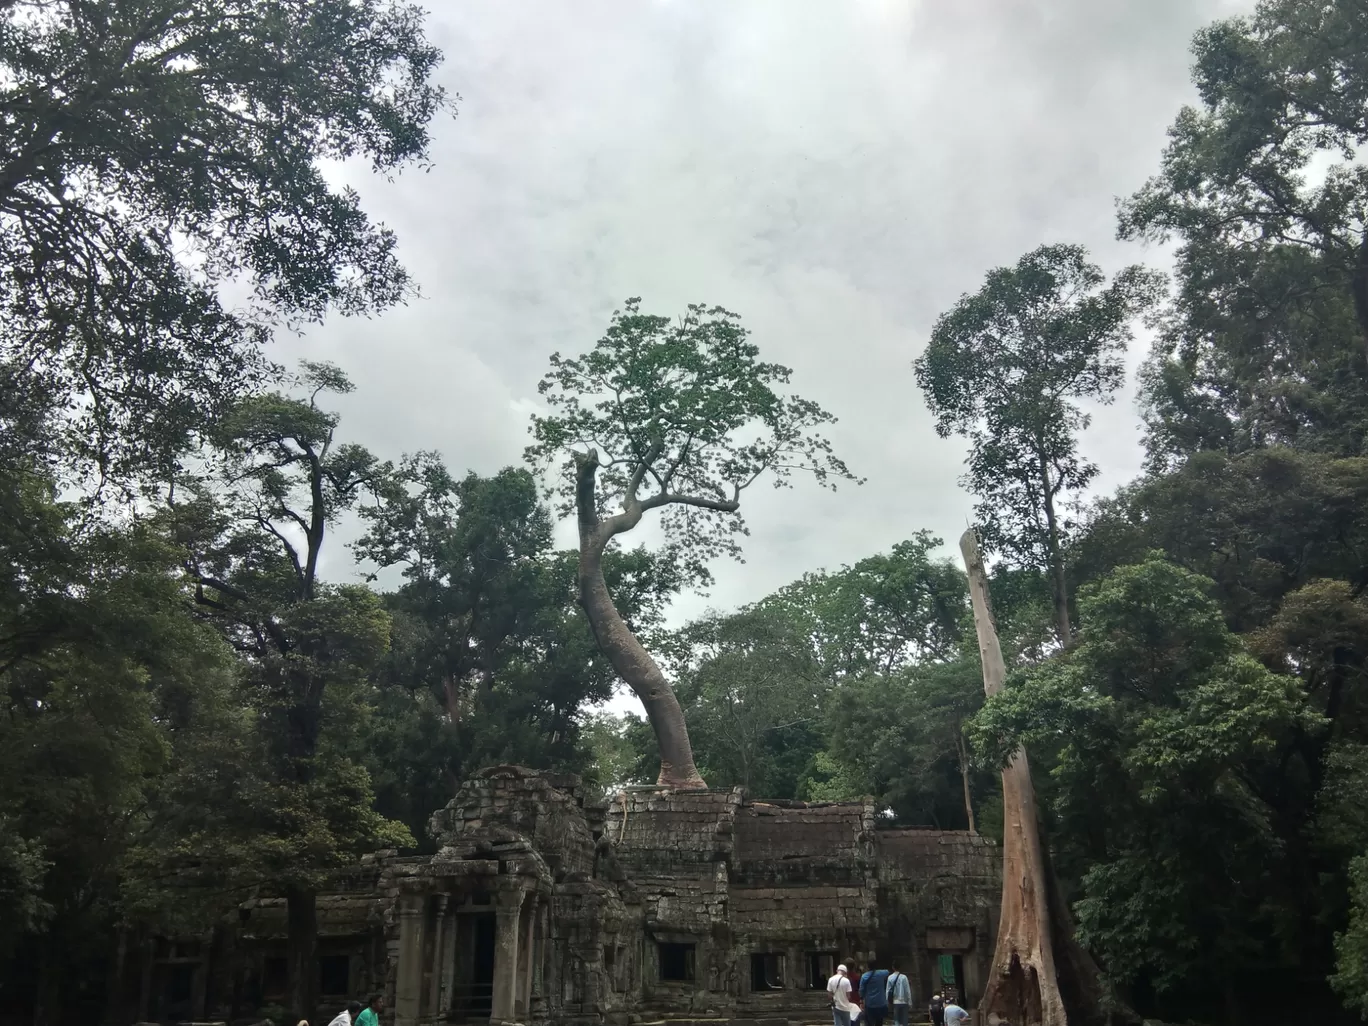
888, 985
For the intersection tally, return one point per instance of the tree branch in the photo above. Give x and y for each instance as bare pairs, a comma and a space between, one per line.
718, 505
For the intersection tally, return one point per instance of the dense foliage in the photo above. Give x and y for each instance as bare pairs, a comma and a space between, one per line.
154, 150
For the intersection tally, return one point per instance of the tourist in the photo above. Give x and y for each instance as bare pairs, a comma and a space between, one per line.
839, 989
899, 996
370, 1015
348, 1015
874, 993
955, 1015
937, 1010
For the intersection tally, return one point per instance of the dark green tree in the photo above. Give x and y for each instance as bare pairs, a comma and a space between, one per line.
1158, 729
493, 659
1269, 160
1006, 369
676, 416
254, 535
104, 678
1264, 190
155, 149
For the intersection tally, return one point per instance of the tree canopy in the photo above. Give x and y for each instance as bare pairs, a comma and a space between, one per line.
155, 150
1007, 368
681, 417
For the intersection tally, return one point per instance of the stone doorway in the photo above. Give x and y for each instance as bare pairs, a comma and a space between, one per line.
473, 993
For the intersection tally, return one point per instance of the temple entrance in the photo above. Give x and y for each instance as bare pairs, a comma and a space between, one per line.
947, 975
473, 993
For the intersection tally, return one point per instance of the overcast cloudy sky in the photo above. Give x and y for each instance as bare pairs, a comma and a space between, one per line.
837, 172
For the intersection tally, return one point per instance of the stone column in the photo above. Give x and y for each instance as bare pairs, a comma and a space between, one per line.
408, 985
434, 1002
145, 980
506, 955
526, 956
447, 965
200, 995
536, 1002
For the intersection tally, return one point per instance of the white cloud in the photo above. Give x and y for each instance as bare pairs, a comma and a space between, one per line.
837, 173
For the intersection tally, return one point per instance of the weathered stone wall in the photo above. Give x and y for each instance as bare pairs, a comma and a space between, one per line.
946, 885
684, 905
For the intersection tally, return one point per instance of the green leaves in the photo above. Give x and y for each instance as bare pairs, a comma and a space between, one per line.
1006, 367
1279, 91
1263, 186
682, 417
1351, 945
184, 149
1158, 729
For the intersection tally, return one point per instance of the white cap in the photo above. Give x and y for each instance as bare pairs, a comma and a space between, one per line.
841, 968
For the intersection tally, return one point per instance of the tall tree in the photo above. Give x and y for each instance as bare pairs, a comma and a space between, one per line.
1006, 368
1281, 533
157, 148
1270, 159
255, 536
676, 416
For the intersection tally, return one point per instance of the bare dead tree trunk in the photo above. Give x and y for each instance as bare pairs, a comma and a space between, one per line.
1039, 968
1023, 986
616, 640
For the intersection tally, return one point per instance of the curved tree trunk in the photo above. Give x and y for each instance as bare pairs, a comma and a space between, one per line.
616, 640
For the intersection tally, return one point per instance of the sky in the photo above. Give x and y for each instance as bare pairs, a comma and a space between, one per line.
838, 172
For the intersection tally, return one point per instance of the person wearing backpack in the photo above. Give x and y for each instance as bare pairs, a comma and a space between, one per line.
899, 995
937, 1011
874, 993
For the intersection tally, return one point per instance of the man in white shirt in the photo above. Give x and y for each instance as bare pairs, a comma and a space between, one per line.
955, 1015
839, 989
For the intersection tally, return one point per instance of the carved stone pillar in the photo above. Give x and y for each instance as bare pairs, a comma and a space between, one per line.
408, 986
526, 955
447, 965
536, 1002
434, 1007
507, 921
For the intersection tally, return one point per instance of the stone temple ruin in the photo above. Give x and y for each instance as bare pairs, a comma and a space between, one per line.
540, 907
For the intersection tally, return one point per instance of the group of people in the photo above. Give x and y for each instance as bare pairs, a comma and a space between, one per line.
880, 992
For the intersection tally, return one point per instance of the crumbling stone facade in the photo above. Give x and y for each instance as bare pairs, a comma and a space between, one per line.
540, 907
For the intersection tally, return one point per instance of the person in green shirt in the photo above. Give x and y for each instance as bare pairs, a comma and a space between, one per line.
370, 1015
